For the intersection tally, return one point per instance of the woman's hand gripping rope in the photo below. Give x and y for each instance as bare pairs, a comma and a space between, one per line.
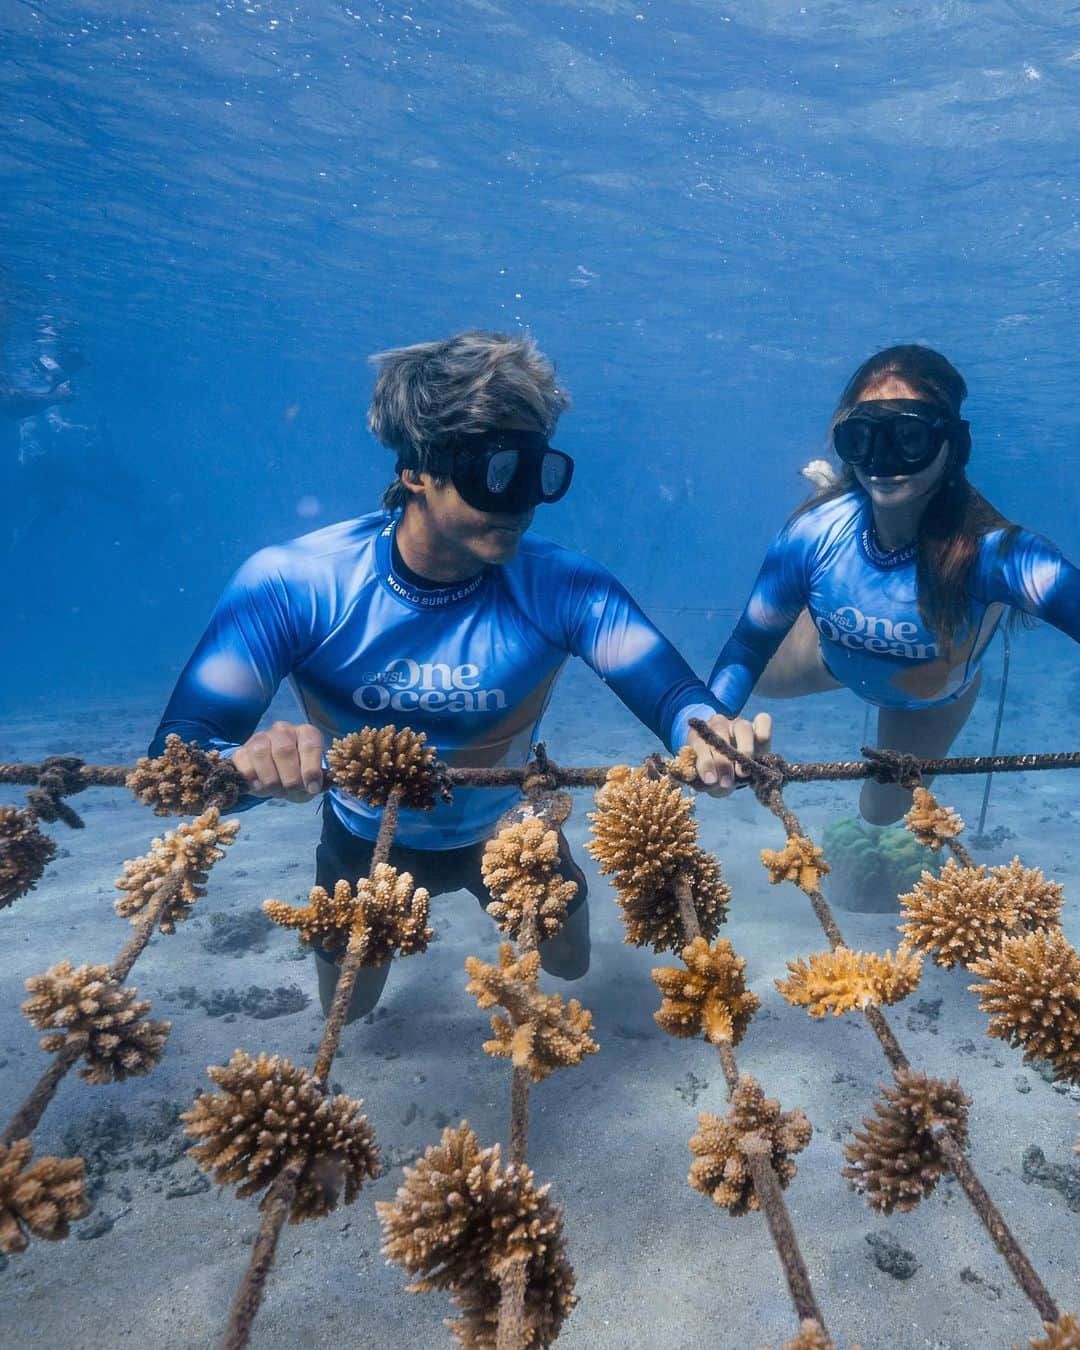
719, 773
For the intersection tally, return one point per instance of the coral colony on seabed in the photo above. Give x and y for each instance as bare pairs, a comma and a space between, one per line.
463, 1221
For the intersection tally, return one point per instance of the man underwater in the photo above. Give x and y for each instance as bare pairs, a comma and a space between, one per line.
436, 613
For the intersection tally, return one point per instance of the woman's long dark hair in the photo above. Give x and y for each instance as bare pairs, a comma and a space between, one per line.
957, 516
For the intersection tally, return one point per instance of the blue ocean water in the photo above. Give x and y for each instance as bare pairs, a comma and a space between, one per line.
706, 213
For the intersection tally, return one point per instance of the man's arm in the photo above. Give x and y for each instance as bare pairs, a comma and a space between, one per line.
246, 651
610, 631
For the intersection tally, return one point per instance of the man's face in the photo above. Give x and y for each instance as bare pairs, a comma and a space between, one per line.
475, 536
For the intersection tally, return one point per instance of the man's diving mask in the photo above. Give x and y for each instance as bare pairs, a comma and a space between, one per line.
508, 472
897, 437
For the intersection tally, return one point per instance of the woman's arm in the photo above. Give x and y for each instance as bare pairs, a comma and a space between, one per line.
1026, 571
780, 593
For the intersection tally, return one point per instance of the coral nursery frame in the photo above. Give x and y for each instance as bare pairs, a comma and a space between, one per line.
463, 1221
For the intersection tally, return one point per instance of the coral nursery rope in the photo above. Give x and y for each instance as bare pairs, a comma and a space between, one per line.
555, 775
280, 1197
767, 781
758, 1158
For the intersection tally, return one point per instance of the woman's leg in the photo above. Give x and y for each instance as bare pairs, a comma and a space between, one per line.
926, 732
797, 668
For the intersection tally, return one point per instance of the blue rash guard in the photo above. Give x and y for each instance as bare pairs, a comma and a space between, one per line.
864, 604
472, 665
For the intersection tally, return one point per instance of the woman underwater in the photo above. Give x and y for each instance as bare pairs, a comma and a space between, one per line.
892, 580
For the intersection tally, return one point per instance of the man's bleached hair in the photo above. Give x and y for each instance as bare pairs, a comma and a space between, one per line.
472, 383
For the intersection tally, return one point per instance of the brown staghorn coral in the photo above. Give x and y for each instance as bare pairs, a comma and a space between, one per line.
383, 915
800, 861
810, 1336
92, 1008
25, 852
684, 766
325, 921
193, 847
1037, 901
842, 980
179, 780
963, 913
458, 1217
895, 1160
268, 1113
541, 1034
932, 824
371, 764
1031, 989
720, 1169
643, 830
709, 995
1064, 1334
521, 870
39, 1199
644, 835
655, 920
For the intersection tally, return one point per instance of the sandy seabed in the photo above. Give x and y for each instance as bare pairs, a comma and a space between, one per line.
158, 1260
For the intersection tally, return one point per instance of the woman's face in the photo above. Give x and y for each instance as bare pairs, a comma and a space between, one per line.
910, 489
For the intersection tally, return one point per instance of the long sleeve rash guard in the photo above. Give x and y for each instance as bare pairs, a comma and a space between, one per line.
473, 666
864, 604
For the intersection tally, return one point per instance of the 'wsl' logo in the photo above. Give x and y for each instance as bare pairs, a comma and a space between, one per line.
430, 686
853, 629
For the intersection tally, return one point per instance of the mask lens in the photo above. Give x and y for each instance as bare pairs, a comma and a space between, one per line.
853, 439
501, 468
913, 439
555, 471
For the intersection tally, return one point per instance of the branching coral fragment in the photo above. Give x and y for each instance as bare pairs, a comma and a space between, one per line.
371, 764
25, 852
383, 915
895, 1161
1031, 989
683, 766
179, 781
800, 861
458, 1216
93, 1009
325, 921
645, 836
841, 980
720, 1169
541, 1034
709, 995
270, 1113
521, 870
810, 1336
39, 1199
964, 913
192, 848
932, 824
1064, 1334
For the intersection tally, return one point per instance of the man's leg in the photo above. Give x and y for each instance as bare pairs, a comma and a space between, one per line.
342, 855
366, 991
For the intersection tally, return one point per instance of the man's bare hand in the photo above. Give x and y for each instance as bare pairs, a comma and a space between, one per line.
285, 761
718, 773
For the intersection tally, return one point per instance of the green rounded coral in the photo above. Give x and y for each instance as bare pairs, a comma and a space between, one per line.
872, 864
